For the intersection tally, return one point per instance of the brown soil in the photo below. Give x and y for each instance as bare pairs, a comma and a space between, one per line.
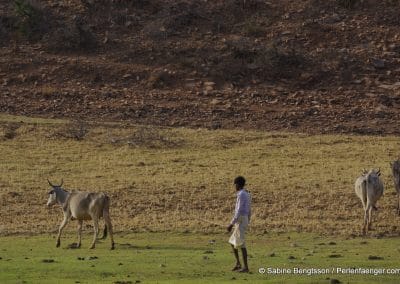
305, 66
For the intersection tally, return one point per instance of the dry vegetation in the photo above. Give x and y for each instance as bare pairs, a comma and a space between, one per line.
298, 182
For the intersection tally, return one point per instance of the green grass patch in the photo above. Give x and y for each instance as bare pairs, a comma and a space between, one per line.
192, 258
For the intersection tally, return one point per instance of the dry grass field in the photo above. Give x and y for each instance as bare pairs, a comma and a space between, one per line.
171, 179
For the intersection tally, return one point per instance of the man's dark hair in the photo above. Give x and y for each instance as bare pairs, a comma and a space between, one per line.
240, 181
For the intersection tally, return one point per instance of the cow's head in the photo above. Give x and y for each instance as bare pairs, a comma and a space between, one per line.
53, 193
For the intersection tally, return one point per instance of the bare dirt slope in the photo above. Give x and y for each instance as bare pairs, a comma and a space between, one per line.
309, 66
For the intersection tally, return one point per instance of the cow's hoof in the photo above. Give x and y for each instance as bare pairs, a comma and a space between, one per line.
74, 246
92, 247
57, 245
112, 247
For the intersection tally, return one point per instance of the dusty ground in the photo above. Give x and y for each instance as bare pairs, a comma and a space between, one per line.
305, 66
180, 179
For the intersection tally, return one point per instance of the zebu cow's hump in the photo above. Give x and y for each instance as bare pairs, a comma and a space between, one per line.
84, 205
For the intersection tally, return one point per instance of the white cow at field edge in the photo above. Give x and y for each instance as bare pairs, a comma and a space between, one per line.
82, 206
369, 188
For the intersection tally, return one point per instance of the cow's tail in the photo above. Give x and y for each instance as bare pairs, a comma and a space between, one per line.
105, 212
364, 191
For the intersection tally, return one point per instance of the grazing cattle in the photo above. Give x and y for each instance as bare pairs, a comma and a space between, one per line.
82, 206
396, 179
369, 188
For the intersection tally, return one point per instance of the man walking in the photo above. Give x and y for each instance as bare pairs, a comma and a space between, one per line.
240, 221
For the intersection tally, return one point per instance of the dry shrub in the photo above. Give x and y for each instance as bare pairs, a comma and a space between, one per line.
162, 79
6, 25
10, 130
74, 35
265, 63
76, 130
32, 19
252, 28
150, 137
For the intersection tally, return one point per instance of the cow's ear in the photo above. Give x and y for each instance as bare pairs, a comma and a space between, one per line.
379, 174
51, 191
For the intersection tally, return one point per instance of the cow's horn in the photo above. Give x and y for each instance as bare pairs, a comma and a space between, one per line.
50, 183
62, 181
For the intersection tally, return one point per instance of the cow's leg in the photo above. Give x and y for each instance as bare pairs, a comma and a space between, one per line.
63, 224
96, 230
80, 223
107, 220
398, 203
370, 218
364, 230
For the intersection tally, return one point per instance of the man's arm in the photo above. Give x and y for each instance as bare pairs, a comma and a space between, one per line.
240, 204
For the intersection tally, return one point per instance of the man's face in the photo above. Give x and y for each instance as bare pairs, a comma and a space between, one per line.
237, 187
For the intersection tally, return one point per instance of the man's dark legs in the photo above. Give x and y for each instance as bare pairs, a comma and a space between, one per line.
236, 253
246, 267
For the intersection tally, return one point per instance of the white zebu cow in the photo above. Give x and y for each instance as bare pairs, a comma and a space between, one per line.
82, 206
396, 179
369, 188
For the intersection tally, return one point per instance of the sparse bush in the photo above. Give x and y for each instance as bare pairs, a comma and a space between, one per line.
73, 36
3, 32
77, 130
266, 63
31, 19
161, 79
348, 4
10, 130
149, 136
276, 58
252, 28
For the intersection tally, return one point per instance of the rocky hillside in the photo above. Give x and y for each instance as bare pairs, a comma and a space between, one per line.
304, 66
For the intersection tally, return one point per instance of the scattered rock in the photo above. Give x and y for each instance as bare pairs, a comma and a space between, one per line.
291, 257
272, 254
332, 243
334, 256
378, 63
80, 258
48, 260
208, 252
